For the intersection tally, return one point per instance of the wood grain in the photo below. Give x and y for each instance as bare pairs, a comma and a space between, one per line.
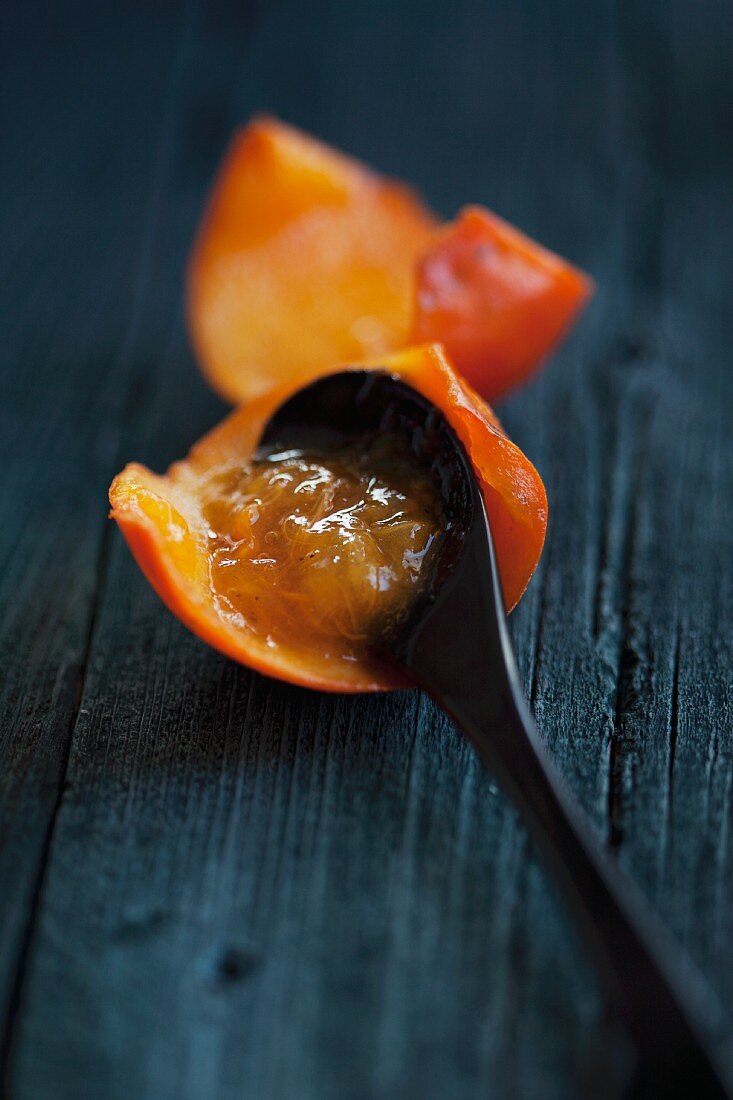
215, 885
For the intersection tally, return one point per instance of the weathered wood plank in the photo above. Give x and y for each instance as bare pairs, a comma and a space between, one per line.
257, 891
80, 215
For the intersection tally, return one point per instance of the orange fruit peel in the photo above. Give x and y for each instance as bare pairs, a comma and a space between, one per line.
305, 257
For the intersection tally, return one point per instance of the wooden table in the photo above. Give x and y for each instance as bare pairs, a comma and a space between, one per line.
212, 885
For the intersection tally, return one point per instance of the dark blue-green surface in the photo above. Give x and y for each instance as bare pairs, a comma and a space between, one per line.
212, 885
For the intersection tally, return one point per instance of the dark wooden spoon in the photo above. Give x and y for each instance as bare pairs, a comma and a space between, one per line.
453, 642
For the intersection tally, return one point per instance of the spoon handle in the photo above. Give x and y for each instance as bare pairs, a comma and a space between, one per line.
462, 656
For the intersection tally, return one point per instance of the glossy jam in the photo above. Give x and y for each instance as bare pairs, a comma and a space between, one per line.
320, 550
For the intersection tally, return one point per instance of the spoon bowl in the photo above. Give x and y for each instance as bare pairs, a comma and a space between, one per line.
353, 407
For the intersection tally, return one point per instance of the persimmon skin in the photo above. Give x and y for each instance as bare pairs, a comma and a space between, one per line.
163, 517
497, 301
304, 258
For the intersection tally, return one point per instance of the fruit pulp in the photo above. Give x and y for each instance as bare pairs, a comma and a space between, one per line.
322, 548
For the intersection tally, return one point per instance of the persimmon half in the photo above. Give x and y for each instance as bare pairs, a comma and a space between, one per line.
300, 615
305, 257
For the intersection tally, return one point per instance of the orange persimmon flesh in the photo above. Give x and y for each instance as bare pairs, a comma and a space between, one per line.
498, 302
304, 258
179, 527
320, 549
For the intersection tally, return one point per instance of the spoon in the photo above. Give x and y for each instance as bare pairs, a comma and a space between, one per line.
452, 641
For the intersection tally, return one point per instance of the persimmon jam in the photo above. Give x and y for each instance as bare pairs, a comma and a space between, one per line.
319, 549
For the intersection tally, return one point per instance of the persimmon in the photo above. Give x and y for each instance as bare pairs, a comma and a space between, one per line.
251, 554
305, 257
497, 301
